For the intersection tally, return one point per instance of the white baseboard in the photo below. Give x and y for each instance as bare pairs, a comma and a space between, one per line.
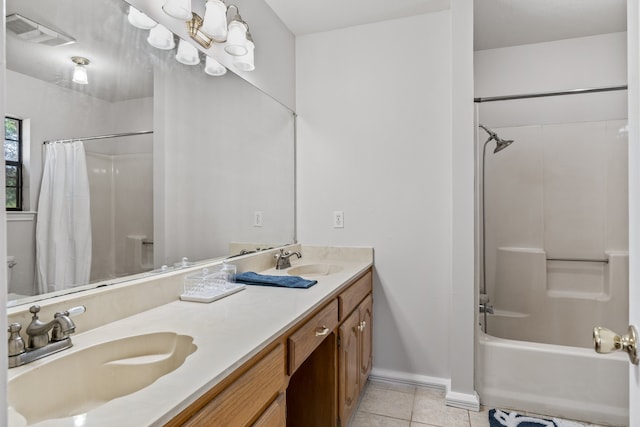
470, 402
407, 378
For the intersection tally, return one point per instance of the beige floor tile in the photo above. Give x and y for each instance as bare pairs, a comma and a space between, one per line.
404, 388
364, 419
388, 403
432, 411
433, 393
415, 424
479, 419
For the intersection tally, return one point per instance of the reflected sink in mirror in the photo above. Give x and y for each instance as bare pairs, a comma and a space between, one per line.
75, 384
312, 270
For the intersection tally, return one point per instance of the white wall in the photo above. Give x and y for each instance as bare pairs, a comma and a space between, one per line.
463, 314
585, 62
221, 152
374, 140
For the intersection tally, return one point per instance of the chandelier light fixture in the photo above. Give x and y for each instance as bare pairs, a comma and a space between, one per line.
139, 19
178, 9
187, 53
213, 67
161, 38
217, 26
245, 62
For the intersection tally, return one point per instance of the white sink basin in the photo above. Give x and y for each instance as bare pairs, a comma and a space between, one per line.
312, 270
83, 380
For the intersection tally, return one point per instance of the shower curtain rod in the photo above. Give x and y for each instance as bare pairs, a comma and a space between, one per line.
89, 138
544, 94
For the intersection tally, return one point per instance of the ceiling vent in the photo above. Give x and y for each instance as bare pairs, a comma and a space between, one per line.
33, 32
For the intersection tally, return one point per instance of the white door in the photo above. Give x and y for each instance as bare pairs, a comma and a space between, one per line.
633, 76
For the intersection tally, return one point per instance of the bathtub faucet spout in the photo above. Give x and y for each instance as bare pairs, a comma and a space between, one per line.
485, 307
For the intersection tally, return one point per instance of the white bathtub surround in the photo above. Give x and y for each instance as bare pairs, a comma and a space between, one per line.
565, 382
122, 177
557, 302
242, 324
138, 254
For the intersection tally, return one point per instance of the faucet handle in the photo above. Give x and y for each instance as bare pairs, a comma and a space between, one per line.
16, 343
34, 309
73, 311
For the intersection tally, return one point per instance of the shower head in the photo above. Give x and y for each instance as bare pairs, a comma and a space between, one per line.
501, 144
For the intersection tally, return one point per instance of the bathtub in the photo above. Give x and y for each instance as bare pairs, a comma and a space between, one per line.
559, 381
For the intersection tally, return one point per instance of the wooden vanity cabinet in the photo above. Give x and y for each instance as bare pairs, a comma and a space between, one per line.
366, 339
310, 376
251, 394
275, 415
355, 340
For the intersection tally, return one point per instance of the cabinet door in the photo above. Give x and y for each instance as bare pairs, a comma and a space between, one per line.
275, 415
348, 367
366, 339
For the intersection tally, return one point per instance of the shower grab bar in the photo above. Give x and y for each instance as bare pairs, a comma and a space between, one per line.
606, 261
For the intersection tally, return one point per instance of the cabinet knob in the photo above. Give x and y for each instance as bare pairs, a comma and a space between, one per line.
322, 331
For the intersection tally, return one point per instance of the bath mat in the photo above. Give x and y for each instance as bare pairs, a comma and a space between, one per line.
498, 418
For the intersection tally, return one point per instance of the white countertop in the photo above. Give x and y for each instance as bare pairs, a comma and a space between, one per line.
227, 333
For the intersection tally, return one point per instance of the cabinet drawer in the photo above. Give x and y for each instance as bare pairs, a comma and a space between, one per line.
243, 399
311, 334
350, 298
275, 415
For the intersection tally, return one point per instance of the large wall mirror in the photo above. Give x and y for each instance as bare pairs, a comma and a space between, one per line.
204, 166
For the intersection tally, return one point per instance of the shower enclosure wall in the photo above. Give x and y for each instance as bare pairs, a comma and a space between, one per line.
556, 226
121, 185
555, 253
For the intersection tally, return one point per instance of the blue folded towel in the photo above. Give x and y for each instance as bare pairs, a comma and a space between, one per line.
251, 278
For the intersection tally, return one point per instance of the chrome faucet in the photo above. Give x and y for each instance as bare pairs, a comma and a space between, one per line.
282, 259
485, 307
40, 344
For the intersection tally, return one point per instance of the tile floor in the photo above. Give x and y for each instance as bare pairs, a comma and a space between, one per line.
398, 405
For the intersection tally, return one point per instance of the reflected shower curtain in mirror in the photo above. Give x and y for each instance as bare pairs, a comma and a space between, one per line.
63, 228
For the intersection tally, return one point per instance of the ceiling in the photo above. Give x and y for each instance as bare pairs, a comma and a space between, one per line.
117, 73
306, 17
120, 67
497, 23
502, 23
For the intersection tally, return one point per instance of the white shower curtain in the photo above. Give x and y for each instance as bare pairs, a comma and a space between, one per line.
63, 228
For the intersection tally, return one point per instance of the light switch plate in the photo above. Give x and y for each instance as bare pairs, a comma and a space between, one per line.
257, 219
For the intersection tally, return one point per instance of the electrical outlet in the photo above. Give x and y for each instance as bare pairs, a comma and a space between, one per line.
338, 219
257, 219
